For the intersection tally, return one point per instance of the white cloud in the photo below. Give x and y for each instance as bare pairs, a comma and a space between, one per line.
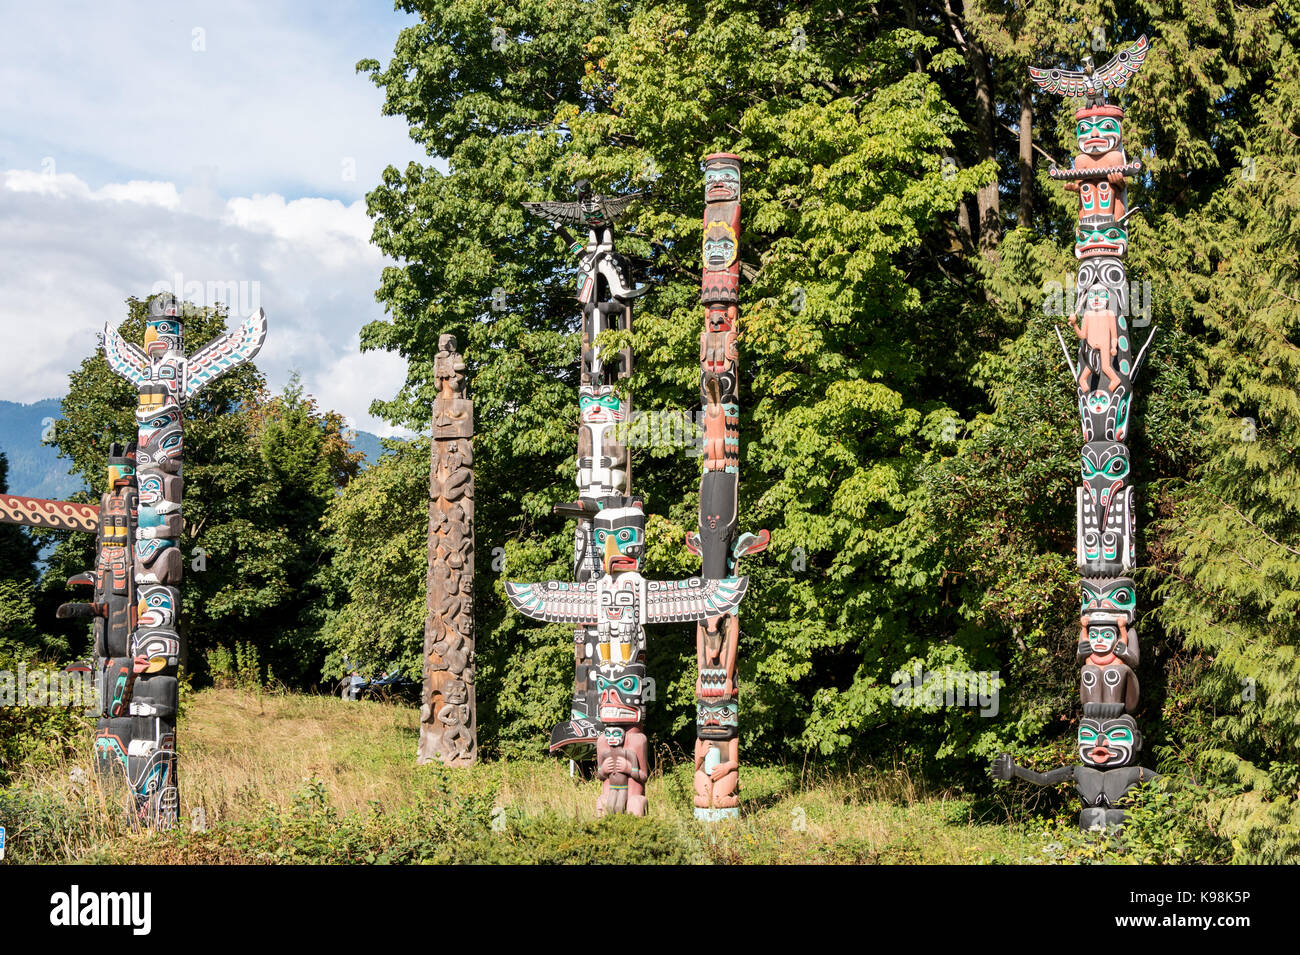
70, 254
263, 98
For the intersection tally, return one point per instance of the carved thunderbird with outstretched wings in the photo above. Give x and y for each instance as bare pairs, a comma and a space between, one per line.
212, 360
592, 212
667, 601
1090, 82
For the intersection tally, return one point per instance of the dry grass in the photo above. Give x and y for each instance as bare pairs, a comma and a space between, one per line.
244, 755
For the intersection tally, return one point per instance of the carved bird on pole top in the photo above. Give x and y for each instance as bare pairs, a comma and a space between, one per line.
1093, 83
591, 209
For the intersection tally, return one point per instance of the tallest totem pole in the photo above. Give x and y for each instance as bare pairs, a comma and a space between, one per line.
717, 638
1104, 376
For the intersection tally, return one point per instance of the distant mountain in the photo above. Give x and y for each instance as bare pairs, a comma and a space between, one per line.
368, 444
35, 469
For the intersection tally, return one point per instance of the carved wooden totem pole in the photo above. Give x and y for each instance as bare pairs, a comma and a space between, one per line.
1109, 742
448, 728
609, 602
137, 736
606, 290
717, 543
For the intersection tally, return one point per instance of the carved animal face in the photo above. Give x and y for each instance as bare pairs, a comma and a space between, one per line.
157, 606
1108, 743
1098, 135
1105, 470
1114, 594
1109, 237
1105, 414
717, 719
161, 335
619, 536
161, 437
619, 689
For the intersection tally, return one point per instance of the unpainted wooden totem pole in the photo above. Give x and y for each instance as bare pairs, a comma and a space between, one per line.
448, 727
1109, 742
717, 542
610, 602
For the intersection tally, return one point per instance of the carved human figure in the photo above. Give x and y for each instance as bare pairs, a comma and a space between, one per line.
717, 755
1100, 331
1108, 743
622, 753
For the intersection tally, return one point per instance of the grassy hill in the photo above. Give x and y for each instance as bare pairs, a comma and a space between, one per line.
282, 777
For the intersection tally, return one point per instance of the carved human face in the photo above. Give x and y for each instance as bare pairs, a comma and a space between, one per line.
1108, 743
600, 405
619, 689
721, 182
720, 246
1098, 135
1102, 637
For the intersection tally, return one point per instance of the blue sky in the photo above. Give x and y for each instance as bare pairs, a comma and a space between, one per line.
207, 148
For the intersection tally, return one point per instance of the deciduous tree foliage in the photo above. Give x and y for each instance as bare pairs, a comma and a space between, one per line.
908, 425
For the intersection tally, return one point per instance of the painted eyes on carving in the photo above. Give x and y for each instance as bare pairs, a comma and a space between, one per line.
1116, 467
1120, 736
1104, 127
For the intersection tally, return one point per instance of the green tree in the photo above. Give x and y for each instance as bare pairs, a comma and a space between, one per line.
259, 473
18, 629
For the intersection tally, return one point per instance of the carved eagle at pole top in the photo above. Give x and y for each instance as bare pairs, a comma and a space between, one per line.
1091, 82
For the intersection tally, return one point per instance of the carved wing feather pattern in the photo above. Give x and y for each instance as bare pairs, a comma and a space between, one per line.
1112, 76
671, 601
126, 359
556, 601
224, 353
1123, 65
570, 213
614, 208
1061, 82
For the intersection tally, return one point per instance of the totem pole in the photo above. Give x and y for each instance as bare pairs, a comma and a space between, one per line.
112, 608
137, 738
1104, 378
606, 290
448, 730
610, 603
717, 759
